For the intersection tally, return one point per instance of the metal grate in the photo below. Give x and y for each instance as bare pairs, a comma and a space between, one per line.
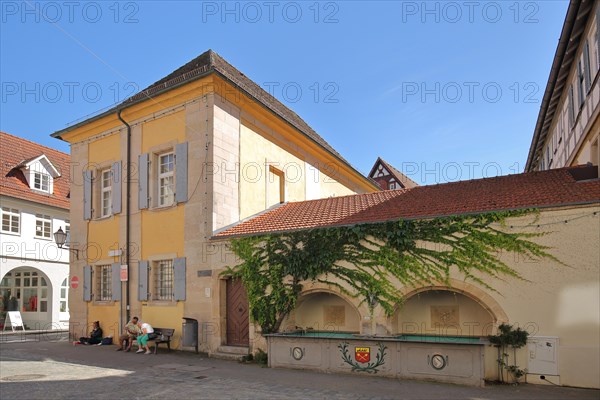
163, 280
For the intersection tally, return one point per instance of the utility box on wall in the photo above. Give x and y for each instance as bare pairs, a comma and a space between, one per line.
543, 355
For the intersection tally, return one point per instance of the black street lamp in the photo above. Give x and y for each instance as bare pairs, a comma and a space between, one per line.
60, 237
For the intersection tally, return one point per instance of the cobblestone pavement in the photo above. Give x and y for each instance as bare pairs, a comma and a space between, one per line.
52, 368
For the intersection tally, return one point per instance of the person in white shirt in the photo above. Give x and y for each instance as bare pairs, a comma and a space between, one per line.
143, 338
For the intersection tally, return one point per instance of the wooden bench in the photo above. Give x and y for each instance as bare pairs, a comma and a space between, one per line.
163, 335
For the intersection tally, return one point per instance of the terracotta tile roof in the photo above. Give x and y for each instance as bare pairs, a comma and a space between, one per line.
559, 187
14, 153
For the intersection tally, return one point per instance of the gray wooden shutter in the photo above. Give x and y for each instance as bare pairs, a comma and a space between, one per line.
87, 194
87, 283
571, 107
143, 281
143, 181
116, 281
179, 281
586, 66
116, 187
181, 172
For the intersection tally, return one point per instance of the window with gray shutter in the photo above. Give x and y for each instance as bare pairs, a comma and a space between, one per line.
143, 281
116, 281
87, 283
87, 194
116, 187
179, 284
143, 181
586, 63
181, 172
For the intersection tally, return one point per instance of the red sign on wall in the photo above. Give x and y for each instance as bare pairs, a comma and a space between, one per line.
124, 273
74, 282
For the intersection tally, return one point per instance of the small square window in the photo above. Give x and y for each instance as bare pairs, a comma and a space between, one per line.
41, 181
43, 226
11, 220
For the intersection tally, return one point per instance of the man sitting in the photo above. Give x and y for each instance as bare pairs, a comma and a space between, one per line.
131, 331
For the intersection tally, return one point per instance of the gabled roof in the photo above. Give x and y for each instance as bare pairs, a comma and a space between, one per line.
552, 188
578, 15
398, 176
44, 160
203, 65
16, 153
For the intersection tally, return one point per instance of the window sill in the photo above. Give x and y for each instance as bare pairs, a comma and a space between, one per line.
163, 208
160, 303
48, 239
10, 233
103, 302
105, 217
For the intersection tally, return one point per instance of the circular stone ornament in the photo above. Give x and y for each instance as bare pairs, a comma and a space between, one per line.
438, 361
297, 353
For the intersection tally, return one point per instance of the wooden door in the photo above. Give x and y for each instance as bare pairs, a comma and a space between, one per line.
237, 314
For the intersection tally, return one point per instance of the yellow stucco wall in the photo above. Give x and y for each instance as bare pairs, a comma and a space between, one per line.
162, 232
165, 316
163, 130
258, 188
108, 315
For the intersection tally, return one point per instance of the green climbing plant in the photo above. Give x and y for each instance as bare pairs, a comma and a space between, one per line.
372, 261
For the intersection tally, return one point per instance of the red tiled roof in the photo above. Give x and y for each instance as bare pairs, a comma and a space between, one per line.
559, 187
14, 152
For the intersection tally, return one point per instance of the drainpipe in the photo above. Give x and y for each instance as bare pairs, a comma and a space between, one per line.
127, 216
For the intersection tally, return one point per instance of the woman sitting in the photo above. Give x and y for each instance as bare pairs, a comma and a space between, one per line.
95, 335
142, 340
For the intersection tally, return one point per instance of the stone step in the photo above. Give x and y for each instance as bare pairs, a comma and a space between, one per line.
233, 350
226, 356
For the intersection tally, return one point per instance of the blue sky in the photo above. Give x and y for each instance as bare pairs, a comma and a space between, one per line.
442, 90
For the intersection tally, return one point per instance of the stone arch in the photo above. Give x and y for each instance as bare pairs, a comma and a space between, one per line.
319, 307
471, 292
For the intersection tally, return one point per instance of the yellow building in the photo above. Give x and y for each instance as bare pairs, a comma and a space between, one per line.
156, 177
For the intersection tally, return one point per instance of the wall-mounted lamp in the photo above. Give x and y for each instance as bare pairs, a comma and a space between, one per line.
61, 237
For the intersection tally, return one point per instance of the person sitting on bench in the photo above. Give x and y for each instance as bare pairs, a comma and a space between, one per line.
143, 338
131, 331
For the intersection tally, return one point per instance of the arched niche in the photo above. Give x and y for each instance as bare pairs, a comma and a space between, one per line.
323, 311
447, 311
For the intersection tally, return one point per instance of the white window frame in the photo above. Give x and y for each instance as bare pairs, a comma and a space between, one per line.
105, 192
64, 297
163, 280
68, 232
14, 219
45, 224
41, 181
104, 282
166, 179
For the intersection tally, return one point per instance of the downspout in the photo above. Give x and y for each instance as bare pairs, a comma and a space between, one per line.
127, 217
